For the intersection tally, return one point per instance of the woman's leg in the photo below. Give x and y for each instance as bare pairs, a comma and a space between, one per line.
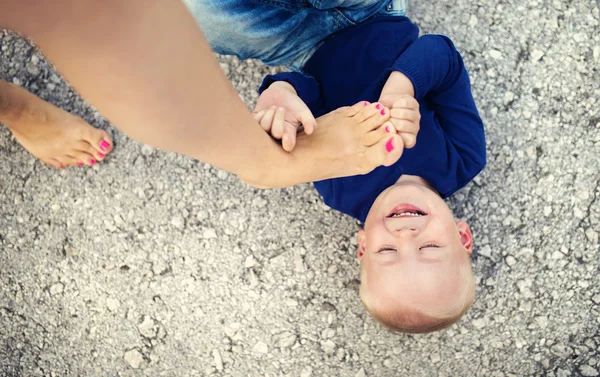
49, 133
147, 67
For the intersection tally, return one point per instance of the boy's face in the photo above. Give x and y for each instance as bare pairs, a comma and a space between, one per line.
411, 250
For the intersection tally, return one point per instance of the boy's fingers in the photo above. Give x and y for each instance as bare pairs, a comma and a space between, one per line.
258, 115
288, 140
308, 121
278, 123
410, 140
404, 113
406, 101
267, 120
405, 126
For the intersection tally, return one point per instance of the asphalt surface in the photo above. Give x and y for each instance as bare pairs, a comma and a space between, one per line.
153, 264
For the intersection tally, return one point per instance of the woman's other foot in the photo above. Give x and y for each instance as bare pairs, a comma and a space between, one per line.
50, 133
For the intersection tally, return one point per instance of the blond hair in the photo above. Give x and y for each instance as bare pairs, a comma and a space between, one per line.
415, 320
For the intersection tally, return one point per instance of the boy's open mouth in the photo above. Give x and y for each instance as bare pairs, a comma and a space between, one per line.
406, 210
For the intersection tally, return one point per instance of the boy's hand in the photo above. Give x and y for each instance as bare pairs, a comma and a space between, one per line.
398, 94
280, 112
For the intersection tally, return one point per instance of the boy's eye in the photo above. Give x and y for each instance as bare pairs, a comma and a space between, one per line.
386, 250
433, 245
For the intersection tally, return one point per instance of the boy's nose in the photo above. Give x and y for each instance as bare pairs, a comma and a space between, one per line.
406, 232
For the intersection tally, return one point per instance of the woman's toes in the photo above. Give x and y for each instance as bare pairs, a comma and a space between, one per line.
378, 118
386, 152
374, 110
99, 139
373, 137
93, 153
52, 162
356, 108
83, 158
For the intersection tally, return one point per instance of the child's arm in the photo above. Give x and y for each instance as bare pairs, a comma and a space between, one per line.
438, 74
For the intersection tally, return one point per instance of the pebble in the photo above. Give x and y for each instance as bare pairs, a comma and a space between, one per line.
542, 321
134, 358
147, 327
588, 371
536, 55
361, 373
209, 233
250, 261
328, 346
592, 236
495, 54
147, 150
510, 260
261, 347
56, 289
218, 360
113, 304
486, 251
596, 53
306, 372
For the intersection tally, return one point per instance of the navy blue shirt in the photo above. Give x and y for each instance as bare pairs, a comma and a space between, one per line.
353, 66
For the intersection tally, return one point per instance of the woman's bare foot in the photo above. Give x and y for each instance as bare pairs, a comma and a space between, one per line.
49, 133
354, 140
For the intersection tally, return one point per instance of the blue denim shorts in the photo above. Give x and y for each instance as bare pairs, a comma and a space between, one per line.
281, 32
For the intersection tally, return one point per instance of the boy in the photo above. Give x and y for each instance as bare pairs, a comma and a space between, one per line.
415, 269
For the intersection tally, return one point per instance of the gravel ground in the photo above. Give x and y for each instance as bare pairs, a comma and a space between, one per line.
153, 264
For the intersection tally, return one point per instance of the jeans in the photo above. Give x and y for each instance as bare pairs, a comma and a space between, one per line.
281, 32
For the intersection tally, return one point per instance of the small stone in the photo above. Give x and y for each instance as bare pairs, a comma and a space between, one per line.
596, 53
472, 20
580, 37
588, 371
306, 372
259, 202
260, 347
209, 233
250, 261
231, 329
542, 321
361, 373
480, 323
328, 346
596, 299
547, 211
510, 260
113, 304
222, 174
17, 81
32, 69
147, 150
147, 327
134, 358
486, 251
536, 55
56, 289
218, 360
178, 222
286, 340
435, 357
592, 236
495, 54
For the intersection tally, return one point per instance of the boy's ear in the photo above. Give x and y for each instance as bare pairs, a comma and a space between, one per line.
466, 238
362, 241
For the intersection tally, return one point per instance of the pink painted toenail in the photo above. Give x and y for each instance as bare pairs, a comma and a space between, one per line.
382, 112
92, 161
378, 106
387, 129
365, 103
389, 146
104, 145
80, 164
100, 155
